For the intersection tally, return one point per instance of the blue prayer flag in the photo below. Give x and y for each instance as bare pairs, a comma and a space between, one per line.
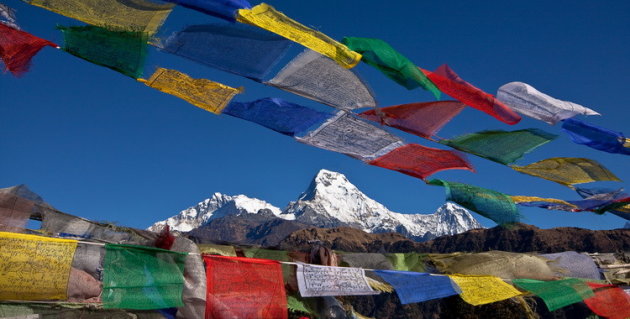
596, 137
418, 287
224, 9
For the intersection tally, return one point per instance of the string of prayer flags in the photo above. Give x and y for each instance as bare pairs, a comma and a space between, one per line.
277, 114
153, 278
548, 203
481, 290
205, 94
7, 16
557, 293
609, 301
320, 79
420, 161
390, 62
596, 137
244, 288
268, 18
528, 101
450, 83
122, 51
568, 170
623, 212
503, 147
421, 119
17, 48
15, 212
34, 267
494, 205
317, 281
418, 287
223, 9
347, 134
135, 16
236, 48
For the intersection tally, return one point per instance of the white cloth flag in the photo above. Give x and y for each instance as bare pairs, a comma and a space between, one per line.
525, 99
315, 281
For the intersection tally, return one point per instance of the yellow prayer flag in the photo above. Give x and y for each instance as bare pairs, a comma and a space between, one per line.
208, 95
527, 199
480, 290
266, 17
34, 267
568, 170
128, 15
223, 250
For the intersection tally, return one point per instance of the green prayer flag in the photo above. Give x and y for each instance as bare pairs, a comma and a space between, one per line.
396, 66
501, 146
557, 293
139, 277
123, 51
408, 261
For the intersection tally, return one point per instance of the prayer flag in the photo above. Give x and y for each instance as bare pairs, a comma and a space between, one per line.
34, 267
623, 212
548, 203
501, 146
421, 119
574, 265
317, 281
15, 212
488, 203
568, 170
208, 95
236, 48
17, 48
595, 137
420, 161
224, 9
134, 15
450, 83
408, 261
556, 293
277, 114
480, 290
212, 249
345, 133
528, 101
122, 51
266, 17
418, 287
390, 62
140, 277
7, 16
320, 79
244, 288
609, 301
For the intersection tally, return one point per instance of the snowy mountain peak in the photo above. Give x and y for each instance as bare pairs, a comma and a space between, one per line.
328, 183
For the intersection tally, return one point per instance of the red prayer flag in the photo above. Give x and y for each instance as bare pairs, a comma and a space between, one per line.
241, 287
450, 83
609, 301
17, 48
420, 161
421, 119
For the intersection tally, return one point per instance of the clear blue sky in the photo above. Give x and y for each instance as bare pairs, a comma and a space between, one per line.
97, 144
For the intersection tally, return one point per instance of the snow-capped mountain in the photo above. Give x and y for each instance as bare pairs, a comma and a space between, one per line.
331, 201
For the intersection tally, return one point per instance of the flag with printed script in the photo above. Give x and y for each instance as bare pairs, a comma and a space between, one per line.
208, 95
556, 293
488, 203
244, 288
268, 18
568, 170
481, 290
450, 83
17, 48
390, 62
122, 51
224, 9
277, 114
137, 15
418, 287
140, 277
609, 301
347, 134
236, 48
320, 79
317, 281
420, 161
596, 137
525, 99
34, 267
501, 146
421, 119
